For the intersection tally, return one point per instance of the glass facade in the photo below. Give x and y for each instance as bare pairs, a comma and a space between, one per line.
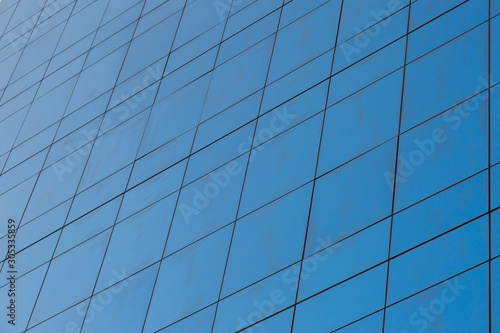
256, 166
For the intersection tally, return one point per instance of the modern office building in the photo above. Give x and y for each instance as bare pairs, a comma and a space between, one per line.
256, 166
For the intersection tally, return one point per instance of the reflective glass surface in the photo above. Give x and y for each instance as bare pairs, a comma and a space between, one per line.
250, 166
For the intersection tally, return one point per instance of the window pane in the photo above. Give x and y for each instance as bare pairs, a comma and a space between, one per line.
287, 162
207, 204
259, 240
352, 197
445, 77
255, 303
122, 307
65, 268
345, 259
342, 304
457, 305
361, 122
189, 280
305, 39
201, 322
436, 261
440, 213
442, 152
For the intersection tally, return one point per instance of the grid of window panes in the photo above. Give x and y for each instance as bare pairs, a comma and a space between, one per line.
251, 165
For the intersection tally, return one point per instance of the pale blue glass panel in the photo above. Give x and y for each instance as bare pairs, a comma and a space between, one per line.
16, 199
366, 71
97, 79
233, 7
207, 204
55, 184
103, 191
114, 150
495, 7
248, 37
255, 303
361, 122
305, 39
31, 146
189, 280
37, 53
445, 77
18, 102
32, 231
174, 5
457, 305
149, 47
438, 260
22, 171
187, 73
442, 152
23, 83
200, 322
440, 213
372, 324
495, 49
249, 15
495, 186
351, 197
358, 15
280, 323
70, 146
123, 20
281, 165
447, 27
32, 257
138, 91
426, 10
152, 190
175, 115
195, 48
342, 304
137, 242
259, 240
161, 158
198, 16
495, 119
109, 45
298, 8
68, 321
9, 128
82, 23
75, 120
371, 40
495, 233
291, 113
57, 295
495, 295
219, 153
344, 259
7, 66
116, 7
122, 307
87, 226
245, 74
66, 57
226, 121
297, 81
